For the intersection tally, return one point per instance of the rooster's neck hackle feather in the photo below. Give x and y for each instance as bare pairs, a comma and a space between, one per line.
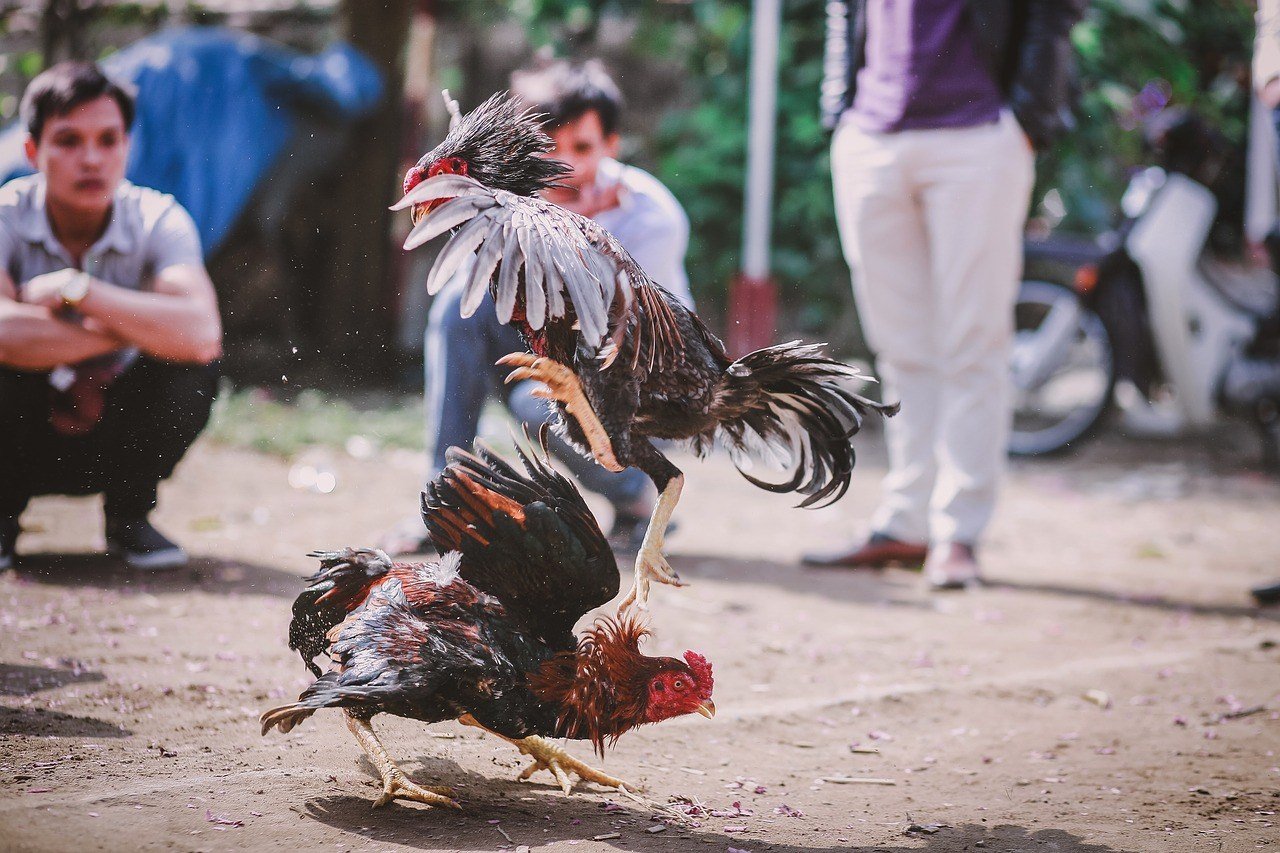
504, 145
602, 687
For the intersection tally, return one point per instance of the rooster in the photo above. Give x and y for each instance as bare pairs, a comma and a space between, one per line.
623, 360
485, 635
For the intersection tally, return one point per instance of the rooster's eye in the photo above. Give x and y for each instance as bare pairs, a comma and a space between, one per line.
679, 685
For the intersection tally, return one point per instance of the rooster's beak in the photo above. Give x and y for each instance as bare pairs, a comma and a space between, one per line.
706, 708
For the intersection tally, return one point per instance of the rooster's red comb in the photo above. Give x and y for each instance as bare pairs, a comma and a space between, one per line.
701, 668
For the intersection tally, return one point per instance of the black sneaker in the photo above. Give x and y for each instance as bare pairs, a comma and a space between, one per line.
1267, 594
9, 531
141, 545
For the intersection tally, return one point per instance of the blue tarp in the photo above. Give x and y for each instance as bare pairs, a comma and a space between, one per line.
215, 108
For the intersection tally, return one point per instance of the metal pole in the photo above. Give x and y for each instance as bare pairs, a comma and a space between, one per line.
766, 18
753, 297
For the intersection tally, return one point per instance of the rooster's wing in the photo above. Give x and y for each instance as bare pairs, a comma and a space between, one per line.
528, 540
553, 263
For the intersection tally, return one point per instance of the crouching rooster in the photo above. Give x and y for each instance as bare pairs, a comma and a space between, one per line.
485, 635
623, 360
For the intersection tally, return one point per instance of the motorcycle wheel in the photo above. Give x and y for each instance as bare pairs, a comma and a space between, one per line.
1063, 370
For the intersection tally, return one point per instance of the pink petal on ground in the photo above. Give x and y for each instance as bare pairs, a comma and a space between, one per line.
220, 820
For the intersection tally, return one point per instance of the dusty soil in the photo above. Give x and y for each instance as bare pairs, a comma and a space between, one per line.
1113, 689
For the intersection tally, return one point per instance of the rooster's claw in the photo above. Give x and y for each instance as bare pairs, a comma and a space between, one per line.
548, 756
564, 387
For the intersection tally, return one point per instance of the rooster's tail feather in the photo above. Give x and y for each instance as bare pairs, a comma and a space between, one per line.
793, 404
325, 692
285, 717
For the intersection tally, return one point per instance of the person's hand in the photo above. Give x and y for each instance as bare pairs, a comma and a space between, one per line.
46, 290
1269, 94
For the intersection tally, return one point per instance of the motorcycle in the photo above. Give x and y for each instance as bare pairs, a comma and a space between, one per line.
1149, 318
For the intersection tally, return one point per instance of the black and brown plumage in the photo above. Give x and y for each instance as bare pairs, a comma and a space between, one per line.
485, 635
623, 360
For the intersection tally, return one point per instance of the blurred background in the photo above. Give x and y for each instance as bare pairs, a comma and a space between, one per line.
311, 278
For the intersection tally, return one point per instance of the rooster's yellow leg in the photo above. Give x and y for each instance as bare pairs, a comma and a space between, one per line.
547, 756
395, 784
564, 387
651, 565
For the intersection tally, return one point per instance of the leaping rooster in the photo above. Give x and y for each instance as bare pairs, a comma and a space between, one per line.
623, 360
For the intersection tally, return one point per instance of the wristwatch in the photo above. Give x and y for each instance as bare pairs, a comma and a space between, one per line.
75, 290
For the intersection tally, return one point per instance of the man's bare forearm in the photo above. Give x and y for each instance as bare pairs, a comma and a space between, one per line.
31, 338
168, 326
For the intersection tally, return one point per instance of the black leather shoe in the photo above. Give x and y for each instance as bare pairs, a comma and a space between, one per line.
1268, 594
142, 546
875, 552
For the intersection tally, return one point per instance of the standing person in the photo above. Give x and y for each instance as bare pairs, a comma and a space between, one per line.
108, 321
582, 108
1266, 83
938, 106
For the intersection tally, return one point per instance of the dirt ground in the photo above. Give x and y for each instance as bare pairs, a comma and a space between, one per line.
1112, 689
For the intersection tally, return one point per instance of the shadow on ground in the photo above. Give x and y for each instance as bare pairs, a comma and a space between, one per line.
496, 815
42, 723
892, 587
202, 574
19, 680
1156, 602
901, 588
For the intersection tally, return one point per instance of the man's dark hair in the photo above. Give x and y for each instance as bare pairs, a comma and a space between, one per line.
566, 92
61, 88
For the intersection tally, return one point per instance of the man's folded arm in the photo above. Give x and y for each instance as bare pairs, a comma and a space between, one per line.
33, 339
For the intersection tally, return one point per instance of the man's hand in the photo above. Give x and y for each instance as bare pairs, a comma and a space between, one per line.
1269, 94
46, 290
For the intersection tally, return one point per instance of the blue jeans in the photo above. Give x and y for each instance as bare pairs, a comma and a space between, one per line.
460, 376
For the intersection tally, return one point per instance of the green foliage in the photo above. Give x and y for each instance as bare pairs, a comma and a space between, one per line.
253, 419
1132, 55
699, 147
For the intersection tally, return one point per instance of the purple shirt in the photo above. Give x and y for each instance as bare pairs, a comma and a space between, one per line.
922, 70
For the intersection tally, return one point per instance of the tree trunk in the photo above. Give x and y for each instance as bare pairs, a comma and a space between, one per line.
357, 308
61, 31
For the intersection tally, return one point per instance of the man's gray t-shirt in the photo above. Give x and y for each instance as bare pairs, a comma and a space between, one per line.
650, 224
148, 232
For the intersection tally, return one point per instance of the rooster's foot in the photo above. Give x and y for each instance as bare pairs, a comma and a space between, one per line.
651, 565
563, 386
397, 786
547, 756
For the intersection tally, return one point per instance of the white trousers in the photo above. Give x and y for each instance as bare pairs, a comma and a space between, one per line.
931, 223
